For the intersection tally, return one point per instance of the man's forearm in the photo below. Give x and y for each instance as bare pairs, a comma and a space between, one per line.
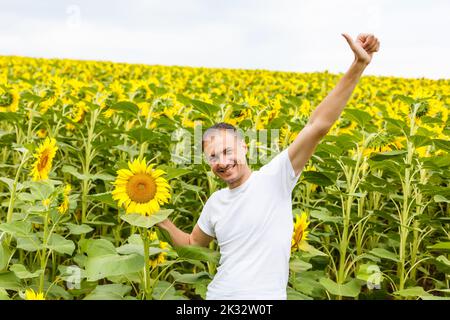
329, 110
179, 238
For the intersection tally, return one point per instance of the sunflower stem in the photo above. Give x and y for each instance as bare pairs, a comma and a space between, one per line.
89, 156
43, 252
144, 145
14, 188
145, 240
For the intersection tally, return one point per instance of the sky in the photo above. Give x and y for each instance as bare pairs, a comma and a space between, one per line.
282, 35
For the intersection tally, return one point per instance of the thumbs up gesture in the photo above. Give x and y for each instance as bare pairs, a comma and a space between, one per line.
364, 46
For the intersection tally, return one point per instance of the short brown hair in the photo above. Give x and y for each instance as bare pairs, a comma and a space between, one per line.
219, 126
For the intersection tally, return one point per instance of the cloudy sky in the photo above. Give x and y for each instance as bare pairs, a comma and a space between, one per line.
288, 35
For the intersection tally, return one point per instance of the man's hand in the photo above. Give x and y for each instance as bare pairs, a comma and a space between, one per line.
364, 46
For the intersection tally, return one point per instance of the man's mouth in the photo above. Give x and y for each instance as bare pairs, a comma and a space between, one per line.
226, 169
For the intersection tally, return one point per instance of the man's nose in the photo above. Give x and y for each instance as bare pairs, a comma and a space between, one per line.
223, 161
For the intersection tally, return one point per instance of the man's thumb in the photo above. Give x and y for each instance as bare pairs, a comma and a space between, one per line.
349, 40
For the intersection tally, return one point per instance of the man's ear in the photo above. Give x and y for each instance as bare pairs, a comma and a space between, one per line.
244, 145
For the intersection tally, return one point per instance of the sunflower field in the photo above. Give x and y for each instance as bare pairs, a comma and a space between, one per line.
88, 169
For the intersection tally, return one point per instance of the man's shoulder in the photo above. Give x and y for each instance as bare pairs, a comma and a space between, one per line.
218, 194
271, 165
215, 196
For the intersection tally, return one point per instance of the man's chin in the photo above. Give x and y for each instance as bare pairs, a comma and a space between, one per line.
228, 179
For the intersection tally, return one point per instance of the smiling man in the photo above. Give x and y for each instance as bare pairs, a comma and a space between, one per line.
252, 218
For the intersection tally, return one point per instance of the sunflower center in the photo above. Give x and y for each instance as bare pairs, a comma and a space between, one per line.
298, 235
141, 188
43, 161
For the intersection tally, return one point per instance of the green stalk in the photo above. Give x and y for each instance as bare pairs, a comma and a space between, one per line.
88, 157
14, 188
144, 145
352, 178
404, 214
44, 252
145, 240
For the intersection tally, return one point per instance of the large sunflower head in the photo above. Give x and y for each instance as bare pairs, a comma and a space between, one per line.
140, 188
300, 233
43, 159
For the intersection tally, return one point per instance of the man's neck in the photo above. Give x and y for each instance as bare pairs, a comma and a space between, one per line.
241, 180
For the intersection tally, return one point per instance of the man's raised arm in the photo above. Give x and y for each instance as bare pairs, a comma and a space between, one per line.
329, 110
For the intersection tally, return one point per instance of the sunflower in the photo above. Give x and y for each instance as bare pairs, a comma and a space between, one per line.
161, 258
141, 189
300, 234
64, 205
41, 133
9, 101
31, 295
43, 159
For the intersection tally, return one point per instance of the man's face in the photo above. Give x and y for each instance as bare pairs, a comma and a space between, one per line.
225, 153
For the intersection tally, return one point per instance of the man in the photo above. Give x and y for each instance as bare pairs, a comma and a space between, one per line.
252, 218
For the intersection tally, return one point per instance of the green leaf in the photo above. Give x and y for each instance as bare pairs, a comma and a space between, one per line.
298, 265
126, 107
349, 289
387, 155
191, 187
9, 182
139, 220
190, 277
22, 273
317, 178
198, 253
164, 290
173, 173
97, 247
361, 117
9, 281
109, 292
443, 260
105, 197
403, 98
439, 198
324, 216
4, 295
73, 171
440, 246
370, 273
206, 108
78, 228
5, 256
17, 228
412, 292
11, 117
99, 267
30, 243
307, 283
385, 254
420, 141
313, 251
295, 295
103, 176
142, 135
60, 244
42, 189
442, 144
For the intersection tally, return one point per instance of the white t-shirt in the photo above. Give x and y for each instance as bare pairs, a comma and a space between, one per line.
253, 225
